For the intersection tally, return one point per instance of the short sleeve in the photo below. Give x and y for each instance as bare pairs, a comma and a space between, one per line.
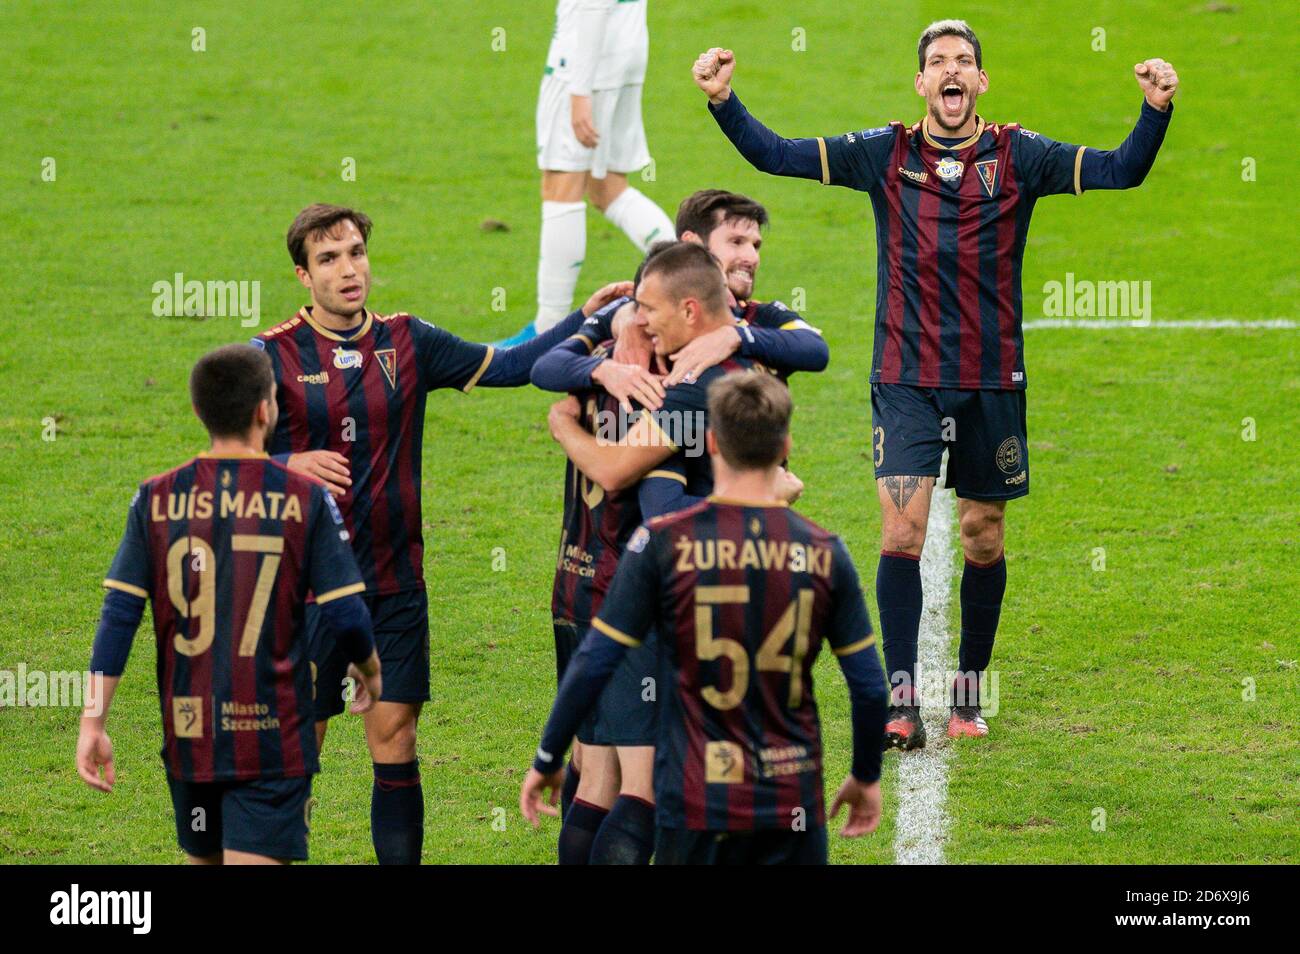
850, 626
628, 611
446, 360
332, 571
130, 571
857, 159
1045, 166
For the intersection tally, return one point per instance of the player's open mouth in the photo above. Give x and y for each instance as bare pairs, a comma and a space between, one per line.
351, 292
954, 97
743, 273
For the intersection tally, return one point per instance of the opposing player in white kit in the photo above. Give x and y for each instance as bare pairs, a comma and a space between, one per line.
589, 137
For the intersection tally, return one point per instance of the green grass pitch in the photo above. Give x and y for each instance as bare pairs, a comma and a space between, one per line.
1127, 689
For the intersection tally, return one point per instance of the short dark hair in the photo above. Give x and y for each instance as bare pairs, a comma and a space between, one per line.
749, 414
227, 385
699, 211
690, 271
317, 220
938, 28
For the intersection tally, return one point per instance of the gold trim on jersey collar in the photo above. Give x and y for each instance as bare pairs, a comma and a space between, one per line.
958, 147
738, 502
320, 329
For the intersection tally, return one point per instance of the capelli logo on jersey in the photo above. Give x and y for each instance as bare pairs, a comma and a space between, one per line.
914, 176
949, 169
320, 377
345, 360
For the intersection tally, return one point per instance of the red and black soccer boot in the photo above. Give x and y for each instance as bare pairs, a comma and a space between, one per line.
964, 718
903, 726
966, 722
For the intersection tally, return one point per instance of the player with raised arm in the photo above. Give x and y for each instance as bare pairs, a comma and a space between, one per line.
742, 591
589, 137
226, 547
352, 388
952, 196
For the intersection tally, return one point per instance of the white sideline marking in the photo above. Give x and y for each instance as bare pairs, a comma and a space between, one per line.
1205, 323
921, 824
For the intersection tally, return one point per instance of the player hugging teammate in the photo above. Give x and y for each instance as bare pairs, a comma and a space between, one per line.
732, 598
611, 484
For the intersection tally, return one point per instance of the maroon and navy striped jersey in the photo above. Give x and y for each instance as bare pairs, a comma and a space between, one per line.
226, 549
952, 218
597, 524
682, 419
363, 395
741, 596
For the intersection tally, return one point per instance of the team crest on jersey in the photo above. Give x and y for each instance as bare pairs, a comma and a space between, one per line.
387, 359
988, 173
949, 169
345, 359
1008, 455
639, 540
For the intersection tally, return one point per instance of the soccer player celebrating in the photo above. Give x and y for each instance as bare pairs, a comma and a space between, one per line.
589, 137
600, 824
742, 592
352, 387
730, 226
226, 547
952, 196
681, 296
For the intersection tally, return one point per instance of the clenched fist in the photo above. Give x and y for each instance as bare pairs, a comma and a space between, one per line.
712, 72
1159, 82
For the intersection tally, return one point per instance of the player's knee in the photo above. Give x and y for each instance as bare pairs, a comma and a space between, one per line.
982, 533
393, 739
902, 535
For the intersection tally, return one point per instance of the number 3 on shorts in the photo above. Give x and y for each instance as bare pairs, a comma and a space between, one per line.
879, 433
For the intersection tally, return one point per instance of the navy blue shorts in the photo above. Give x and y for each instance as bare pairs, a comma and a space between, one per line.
764, 846
628, 710
267, 816
568, 636
984, 432
401, 625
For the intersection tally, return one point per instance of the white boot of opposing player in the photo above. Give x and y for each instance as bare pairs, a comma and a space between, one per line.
640, 219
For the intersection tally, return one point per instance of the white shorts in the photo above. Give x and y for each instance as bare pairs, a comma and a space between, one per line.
617, 115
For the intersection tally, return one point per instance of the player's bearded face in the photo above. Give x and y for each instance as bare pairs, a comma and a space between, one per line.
338, 270
735, 243
951, 82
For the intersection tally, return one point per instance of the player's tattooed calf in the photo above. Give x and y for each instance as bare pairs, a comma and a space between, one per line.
902, 489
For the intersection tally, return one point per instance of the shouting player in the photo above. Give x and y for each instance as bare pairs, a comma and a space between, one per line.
952, 196
589, 137
226, 548
742, 592
600, 824
352, 388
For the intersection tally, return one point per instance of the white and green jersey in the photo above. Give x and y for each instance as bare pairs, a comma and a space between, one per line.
599, 44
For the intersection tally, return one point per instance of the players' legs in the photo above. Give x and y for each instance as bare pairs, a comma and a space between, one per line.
595, 795
983, 584
627, 835
321, 728
397, 798
904, 516
641, 220
247, 858
563, 245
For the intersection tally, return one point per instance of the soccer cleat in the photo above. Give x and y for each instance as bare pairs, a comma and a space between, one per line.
904, 730
527, 333
966, 722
